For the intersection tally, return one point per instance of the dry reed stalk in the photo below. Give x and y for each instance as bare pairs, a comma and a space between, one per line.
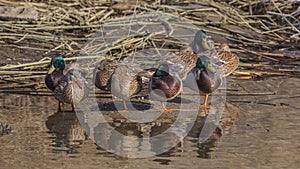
64, 27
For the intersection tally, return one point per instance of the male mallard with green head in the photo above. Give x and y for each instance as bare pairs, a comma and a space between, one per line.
187, 56
55, 72
164, 86
204, 78
204, 72
67, 83
223, 58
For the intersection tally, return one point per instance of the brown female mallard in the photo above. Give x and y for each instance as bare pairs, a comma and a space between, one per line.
67, 83
164, 86
125, 83
103, 73
226, 60
72, 88
200, 43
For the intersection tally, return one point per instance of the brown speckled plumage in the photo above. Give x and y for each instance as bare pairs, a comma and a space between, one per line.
227, 61
125, 82
72, 88
135, 85
103, 72
186, 58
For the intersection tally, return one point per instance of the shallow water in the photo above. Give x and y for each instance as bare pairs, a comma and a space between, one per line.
262, 133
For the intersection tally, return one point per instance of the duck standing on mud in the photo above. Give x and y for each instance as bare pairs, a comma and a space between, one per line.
211, 68
164, 86
66, 82
125, 82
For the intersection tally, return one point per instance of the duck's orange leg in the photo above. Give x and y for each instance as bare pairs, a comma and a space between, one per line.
165, 110
204, 104
125, 107
206, 111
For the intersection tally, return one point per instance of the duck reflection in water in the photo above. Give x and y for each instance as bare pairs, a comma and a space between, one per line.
142, 140
130, 139
67, 131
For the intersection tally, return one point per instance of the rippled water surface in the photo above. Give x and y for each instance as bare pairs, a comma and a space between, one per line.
258, 130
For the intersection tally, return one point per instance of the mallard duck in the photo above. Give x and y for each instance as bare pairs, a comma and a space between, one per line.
103, 73
55, 72
204, 78
164, 86
72, 88
226, 60
185, 58
208, 79
67, 83
208, 71
223, 58
125, 83
200, 43
188, 55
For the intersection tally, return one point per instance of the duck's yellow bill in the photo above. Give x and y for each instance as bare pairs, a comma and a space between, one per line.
51, 69
205, 44
211, 68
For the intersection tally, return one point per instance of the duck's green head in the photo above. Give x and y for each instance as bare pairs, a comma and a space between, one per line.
57, 63
162, 70
200, 42
203, 62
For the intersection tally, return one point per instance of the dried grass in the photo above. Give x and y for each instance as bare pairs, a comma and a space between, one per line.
259, 31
